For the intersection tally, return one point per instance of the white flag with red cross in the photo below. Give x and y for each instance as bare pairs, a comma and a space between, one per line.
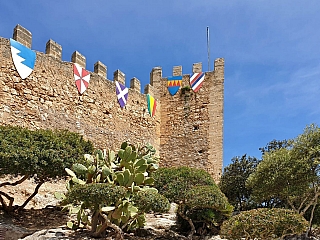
82, 77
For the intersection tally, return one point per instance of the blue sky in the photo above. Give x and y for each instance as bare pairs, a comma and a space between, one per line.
271, 50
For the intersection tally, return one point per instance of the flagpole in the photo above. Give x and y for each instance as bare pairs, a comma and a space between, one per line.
208, 49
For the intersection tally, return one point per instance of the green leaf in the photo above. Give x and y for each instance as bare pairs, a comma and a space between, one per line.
142, 168
100, 154
125, 219
111, 156
70, 225
85, 219
117, 213
120, 179
79, 216
121, 154
133, 210
92, 169
74, 210
124, 145
139, 163
127, 153
141, 220
132, 156
79, 169
107, 209
149, 181
77, 180
59, 195
139, 178
70, 172
89, 158
126, 175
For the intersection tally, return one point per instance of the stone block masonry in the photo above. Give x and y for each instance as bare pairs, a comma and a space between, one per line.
187, 129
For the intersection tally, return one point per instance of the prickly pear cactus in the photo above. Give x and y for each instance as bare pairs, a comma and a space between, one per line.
127, 170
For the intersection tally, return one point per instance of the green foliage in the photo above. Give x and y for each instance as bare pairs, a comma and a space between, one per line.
150, 200
201, 203
279, 176
185, 89
40, 153
207, 204
174, 183
263, 224
115, 188
95, 194
275, 145
291, 174
233, 182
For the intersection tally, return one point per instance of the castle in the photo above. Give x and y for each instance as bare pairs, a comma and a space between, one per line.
187, 129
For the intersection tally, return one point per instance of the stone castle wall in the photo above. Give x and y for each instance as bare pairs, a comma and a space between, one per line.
186, 130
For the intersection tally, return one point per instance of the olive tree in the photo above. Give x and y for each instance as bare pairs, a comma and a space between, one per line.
40, 154
291, 173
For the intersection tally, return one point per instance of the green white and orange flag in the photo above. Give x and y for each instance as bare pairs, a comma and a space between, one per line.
152, 105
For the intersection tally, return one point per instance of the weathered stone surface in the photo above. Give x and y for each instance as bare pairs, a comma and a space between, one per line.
54, 49
191, 131
12, 232
22, 35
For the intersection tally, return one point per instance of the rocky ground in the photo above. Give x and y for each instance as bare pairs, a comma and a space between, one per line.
41, 219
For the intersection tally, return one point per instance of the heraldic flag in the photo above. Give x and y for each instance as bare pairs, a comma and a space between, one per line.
122, 94
82, 77
152, 105
196, 81
23, 58
174, 84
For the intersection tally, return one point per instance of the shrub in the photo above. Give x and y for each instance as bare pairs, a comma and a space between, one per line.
42, 154
174, 182
114, 191
95, 194
263, 223
201, 203
150, 200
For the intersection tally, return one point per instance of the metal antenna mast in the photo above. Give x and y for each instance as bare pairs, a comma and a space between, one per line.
208, 49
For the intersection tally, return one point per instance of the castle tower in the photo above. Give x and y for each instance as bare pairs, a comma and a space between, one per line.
192, 122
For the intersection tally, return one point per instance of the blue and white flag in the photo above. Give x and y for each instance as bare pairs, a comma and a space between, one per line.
122, 94
23, 58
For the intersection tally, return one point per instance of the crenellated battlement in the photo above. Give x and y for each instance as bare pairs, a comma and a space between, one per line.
187, 128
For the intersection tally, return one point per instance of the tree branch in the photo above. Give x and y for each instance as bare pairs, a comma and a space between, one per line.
7, 208
32, 195
313, 201
193, 229
94, 221
107, 224
14, 183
